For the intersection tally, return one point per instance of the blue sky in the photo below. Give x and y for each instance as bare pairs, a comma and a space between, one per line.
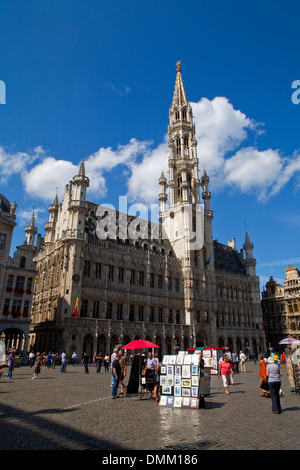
96, 78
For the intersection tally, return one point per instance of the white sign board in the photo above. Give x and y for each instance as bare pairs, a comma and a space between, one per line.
2, 353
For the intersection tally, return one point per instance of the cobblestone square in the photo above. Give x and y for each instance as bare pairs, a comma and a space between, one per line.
74, 411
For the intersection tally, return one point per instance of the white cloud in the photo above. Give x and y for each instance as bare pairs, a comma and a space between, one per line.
219, 129
253, 170
223, 134
42, 180
24, 216
12, 163
143, 183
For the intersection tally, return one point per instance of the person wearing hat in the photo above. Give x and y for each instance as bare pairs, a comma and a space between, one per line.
274, 373
116, 375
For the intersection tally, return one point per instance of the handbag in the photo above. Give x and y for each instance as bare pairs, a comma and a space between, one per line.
264, 386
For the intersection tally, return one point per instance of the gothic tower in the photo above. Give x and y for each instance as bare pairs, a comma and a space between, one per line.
30, 231
183, 219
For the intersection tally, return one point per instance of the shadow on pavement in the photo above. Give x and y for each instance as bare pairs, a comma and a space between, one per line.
27, 431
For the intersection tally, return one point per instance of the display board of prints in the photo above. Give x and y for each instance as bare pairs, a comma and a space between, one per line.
211, 359
180, 381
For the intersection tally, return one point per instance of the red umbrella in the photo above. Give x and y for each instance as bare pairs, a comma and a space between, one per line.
140, 344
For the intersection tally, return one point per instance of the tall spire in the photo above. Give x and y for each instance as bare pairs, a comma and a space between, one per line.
179, 97
183, 162
82, 169
30, 231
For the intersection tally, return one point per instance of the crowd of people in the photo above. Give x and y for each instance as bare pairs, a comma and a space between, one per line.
229, 364
269, 372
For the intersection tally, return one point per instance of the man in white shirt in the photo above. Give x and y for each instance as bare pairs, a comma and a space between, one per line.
243, 359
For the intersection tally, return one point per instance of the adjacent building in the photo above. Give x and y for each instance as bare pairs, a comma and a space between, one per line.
17, 277
281, 308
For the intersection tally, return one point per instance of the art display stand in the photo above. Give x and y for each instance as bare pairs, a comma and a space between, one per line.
182, 382
211, 358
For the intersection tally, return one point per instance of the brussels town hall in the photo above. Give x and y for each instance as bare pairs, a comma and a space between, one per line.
160, 286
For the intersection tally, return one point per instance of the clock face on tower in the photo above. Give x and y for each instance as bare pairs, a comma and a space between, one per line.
76, 278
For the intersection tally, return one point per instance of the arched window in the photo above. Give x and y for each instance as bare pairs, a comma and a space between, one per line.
178, 146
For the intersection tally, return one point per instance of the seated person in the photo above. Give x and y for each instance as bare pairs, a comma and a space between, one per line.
151, 371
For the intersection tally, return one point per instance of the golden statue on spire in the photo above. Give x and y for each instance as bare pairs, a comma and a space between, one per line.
178, 69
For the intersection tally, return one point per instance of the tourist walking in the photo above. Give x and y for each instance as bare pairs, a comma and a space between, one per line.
274, 373
123, 365
235, 362
31, 359
243, 359
99, 362
63, 362
74, 359
116, 375
37, 366
225, 369
282, 359
11, 363
49, 359
106, 363
85, 362
112, 358
264, 386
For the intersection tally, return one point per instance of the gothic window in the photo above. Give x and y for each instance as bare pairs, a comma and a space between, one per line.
177, 317
179, 189
121, 274
132, 276
178, 146
87, 268
160, 281
23, 262
96, 309
120, 312
111, 272
152, 284
186, 145
141, 278
177, 115
131, 312
184, 114
109, 311
98, 270
160, 314
84, 308
141, 313
151, 314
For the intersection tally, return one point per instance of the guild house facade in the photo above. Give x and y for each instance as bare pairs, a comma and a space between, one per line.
169, 282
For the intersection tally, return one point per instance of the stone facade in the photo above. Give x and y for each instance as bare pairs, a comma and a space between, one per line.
167, 282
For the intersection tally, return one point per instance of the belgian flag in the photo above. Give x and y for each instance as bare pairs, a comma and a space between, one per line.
76, 306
